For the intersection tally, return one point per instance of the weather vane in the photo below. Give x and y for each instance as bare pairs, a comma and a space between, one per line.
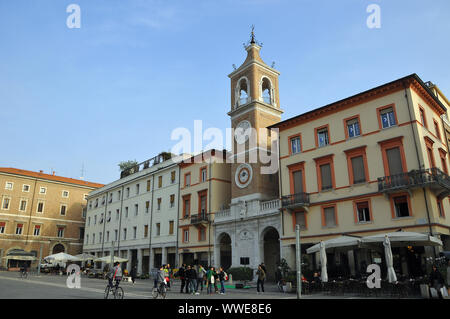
252, 38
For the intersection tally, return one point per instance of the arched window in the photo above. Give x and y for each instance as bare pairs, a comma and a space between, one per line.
266, 89
243, 94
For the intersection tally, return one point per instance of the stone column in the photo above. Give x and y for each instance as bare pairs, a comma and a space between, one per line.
139, 263
351, 262
129, 260
216, 253
258, 252
164, 255
151, 259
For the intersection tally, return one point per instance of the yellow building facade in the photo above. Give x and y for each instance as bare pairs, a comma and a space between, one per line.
204, 191
41, 211
376, 162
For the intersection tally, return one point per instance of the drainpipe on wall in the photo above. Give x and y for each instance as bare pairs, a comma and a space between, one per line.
209, 221
120, 221
418, 160
280, 187
31, 211
104, 223
150, 226
177, 258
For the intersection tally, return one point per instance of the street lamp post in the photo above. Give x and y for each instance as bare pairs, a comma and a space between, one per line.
299, 261
112, 255
40, 260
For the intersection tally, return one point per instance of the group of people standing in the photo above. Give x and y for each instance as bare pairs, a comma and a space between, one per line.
193, 279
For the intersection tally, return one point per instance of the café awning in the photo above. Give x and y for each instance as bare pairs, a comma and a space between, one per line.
18, 257
20, 254
338, 242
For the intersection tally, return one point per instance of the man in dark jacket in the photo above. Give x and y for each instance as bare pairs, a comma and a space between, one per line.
193, 280
182, 274
133, 274
436, 279
188, 279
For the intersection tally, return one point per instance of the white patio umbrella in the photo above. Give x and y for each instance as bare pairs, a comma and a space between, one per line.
107, 259
61, 257
323, 262
392, 277
401, 239
338, 242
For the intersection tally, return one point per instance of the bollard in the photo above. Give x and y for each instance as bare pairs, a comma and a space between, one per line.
230, 276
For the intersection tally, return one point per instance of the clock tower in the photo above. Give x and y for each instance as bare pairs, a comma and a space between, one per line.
249, 230
255, 105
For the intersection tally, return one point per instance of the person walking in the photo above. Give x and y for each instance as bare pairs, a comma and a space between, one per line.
189, 279
260, 273
194, 283
448, 277
210, 280
133, 274
200, 277
216, 280
222, 277
436, 279
169, 275
182, 274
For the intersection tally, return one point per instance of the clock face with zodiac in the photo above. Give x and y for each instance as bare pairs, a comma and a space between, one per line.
242, 132
244, 174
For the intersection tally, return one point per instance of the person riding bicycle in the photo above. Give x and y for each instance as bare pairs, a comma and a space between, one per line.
23, 269
160, 277
115, 274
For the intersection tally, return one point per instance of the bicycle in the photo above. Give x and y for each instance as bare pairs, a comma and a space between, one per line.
116, 291
161, 290
23, 274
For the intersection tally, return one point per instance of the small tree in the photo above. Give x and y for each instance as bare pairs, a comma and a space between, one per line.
124, 165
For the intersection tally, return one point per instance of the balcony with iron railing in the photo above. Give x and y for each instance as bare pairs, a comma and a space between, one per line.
201, 218
293, 201
432, 178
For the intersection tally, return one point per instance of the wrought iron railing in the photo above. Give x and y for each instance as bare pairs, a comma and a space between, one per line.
415, 178
299, 199
200, 218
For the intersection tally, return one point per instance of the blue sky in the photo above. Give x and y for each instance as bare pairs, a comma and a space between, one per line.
115, 89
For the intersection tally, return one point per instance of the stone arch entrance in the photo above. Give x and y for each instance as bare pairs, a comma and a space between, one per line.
225, 250
270, 251
58, 248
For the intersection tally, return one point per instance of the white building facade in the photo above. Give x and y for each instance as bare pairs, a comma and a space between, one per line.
136, 216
